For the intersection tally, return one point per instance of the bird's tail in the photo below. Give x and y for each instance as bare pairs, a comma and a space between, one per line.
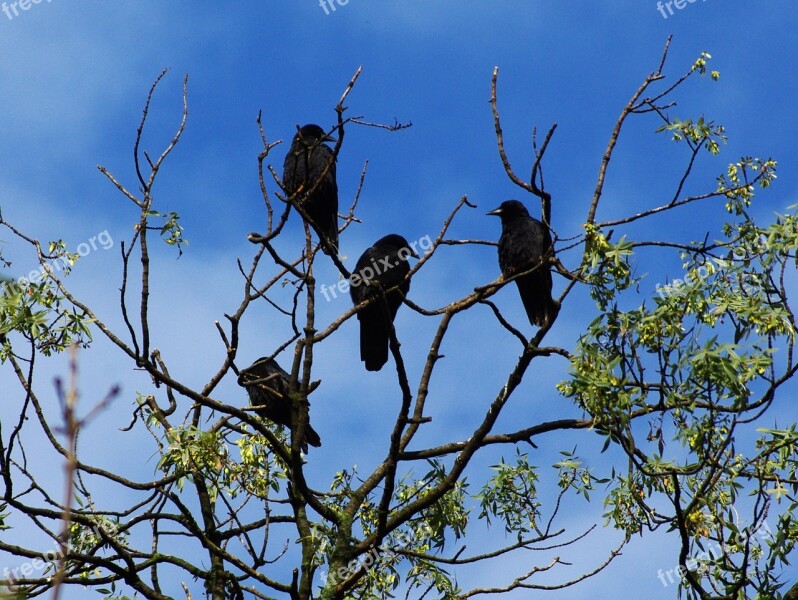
311, 437
539, 305
373, 338
331, 235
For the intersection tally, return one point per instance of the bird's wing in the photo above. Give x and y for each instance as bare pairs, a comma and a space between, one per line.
522, 245
319, 158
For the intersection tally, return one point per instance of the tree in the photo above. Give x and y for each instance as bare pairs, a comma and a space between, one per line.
677, 383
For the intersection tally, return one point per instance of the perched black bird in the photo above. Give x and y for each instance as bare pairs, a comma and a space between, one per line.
385, 263
267, 385
304, 165
524, 243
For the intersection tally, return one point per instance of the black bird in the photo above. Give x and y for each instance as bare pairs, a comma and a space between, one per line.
304, 165
385, 263
267, 385
524, 243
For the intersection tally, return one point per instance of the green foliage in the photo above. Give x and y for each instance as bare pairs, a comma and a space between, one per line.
700, 65
700, 133
704, 357
259, 472
87, 538
739, 181
194, 451
111, 593
624, 504
449, 514
606, 267
511, 496
34, 307
171, 231
573, 475
42, 315
416, 542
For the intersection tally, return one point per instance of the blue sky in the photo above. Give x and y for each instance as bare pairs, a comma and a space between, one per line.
74, 79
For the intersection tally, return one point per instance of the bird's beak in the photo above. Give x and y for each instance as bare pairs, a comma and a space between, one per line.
413, 253
329, 138
496, 212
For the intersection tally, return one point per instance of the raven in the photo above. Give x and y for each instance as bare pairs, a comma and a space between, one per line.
305, 164
526, 242
383, 265
267, 385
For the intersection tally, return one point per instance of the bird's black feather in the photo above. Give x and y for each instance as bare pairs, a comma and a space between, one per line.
524, 243
385, 263
303, 170
267, 385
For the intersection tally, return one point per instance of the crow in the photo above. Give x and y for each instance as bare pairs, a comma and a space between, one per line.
304, 165
267, 385
524, 243
383, 265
